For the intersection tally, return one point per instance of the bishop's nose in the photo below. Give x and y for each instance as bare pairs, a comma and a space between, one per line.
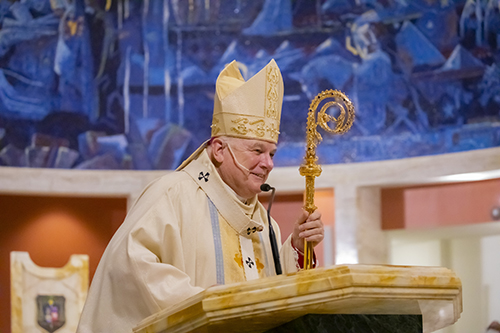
267, 161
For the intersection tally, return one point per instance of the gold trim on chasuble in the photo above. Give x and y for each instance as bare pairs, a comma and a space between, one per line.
234, 270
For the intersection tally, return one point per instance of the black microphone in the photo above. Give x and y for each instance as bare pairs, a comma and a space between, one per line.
274, 246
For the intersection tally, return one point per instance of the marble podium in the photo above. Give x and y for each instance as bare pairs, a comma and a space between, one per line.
432, 295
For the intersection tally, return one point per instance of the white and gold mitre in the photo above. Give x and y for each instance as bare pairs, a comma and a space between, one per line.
250, 109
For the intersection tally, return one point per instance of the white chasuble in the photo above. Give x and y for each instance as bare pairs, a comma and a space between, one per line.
185, 233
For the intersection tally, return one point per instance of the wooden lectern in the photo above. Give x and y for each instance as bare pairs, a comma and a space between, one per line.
429, 296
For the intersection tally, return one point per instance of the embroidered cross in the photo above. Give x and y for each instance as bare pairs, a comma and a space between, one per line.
203, 176
249, 262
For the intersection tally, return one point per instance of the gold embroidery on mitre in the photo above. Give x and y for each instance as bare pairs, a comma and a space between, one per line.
258, 127
244, 126
272, 97
241, 126
273, 131
215, 126
272, 93
239, 259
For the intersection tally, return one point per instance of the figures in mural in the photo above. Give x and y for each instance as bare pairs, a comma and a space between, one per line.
479, 27
472, 20
492, 23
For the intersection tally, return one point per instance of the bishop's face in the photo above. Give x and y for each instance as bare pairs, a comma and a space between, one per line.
247, 164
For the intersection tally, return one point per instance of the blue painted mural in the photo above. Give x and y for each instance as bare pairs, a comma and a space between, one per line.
129, 84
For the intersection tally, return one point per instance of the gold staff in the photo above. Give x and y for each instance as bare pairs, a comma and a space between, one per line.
310, 169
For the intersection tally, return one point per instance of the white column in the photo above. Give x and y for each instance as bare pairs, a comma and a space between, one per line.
358, 233
372, 243
346, 249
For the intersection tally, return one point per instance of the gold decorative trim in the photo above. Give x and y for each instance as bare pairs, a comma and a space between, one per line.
272, 99
273, 130
215, 126
258, 127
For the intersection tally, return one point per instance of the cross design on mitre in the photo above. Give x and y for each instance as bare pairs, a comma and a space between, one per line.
249, 262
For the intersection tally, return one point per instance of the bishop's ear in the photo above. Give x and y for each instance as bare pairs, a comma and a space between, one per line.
217, 147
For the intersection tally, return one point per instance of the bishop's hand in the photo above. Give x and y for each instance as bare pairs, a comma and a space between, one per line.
307, 227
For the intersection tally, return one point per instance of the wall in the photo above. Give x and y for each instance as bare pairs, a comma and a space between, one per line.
51, 229
431, 206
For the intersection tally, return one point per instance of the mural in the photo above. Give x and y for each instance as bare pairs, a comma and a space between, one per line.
129, 84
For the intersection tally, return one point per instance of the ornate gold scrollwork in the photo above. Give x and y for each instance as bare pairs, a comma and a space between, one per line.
310, 169
245, 126
273, 78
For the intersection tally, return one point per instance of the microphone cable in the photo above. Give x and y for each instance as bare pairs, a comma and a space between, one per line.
272, 235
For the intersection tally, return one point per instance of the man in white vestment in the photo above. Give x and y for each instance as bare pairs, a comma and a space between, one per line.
203, 224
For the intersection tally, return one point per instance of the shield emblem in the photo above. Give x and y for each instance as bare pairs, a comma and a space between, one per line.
51, 312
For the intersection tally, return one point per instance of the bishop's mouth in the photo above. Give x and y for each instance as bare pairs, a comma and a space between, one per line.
259, 175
